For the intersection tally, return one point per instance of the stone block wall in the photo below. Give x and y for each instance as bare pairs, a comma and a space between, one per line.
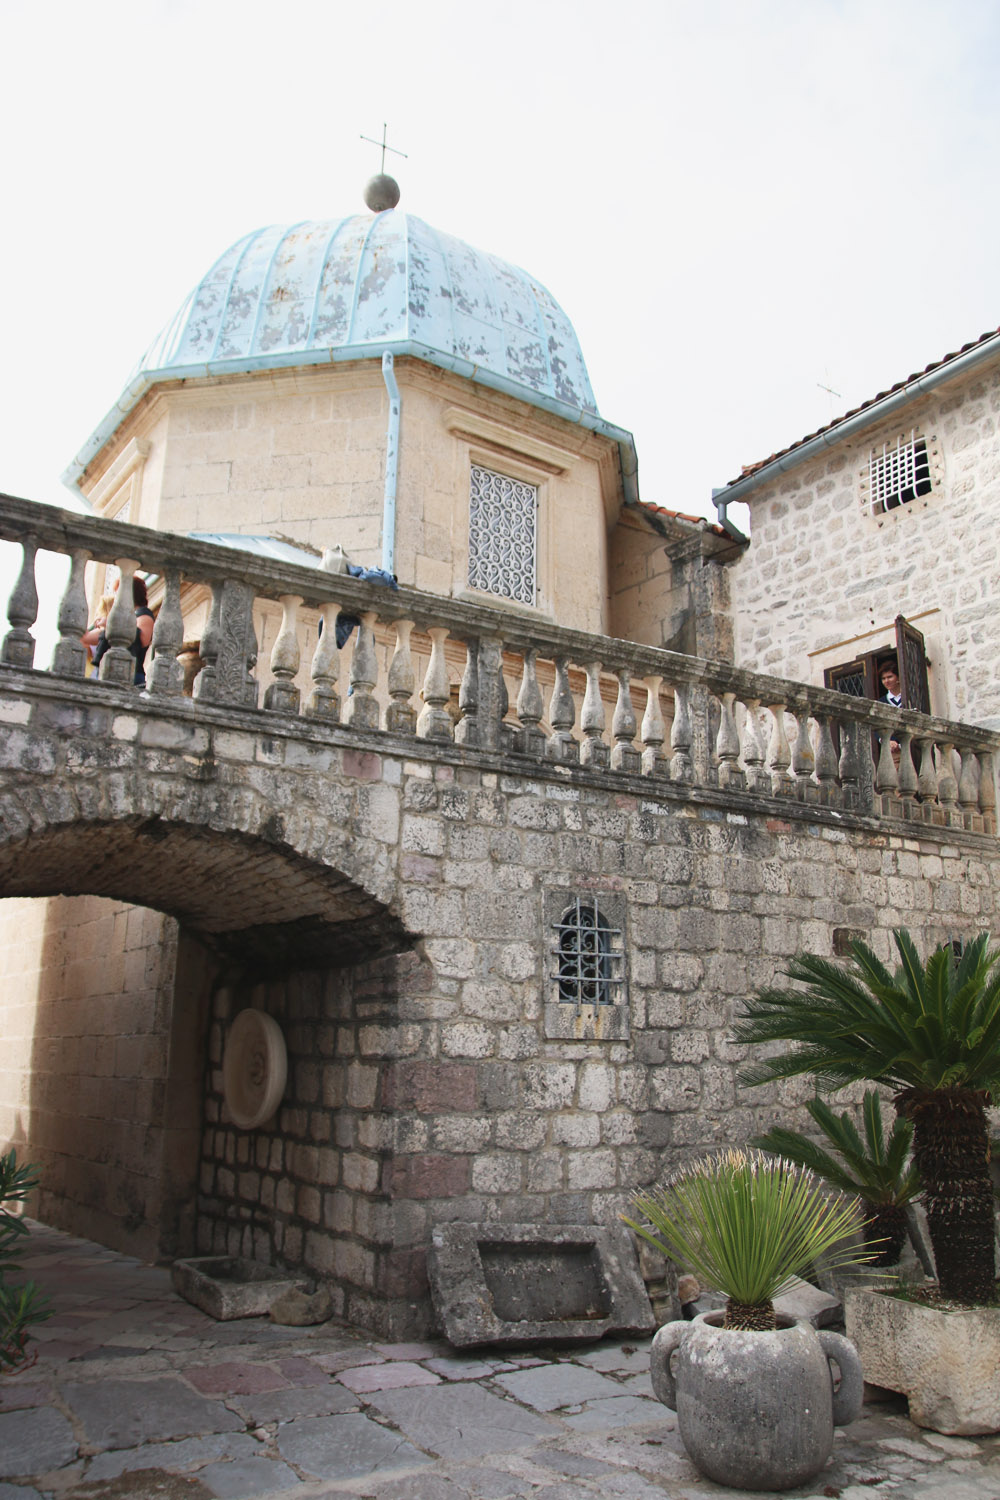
300, 455
823, 580
426, 1087
85, 1061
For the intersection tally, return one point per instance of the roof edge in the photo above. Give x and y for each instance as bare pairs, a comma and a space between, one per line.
400, 348
867, 416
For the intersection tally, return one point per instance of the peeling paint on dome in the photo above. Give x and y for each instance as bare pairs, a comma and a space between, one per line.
353, 288
361, 282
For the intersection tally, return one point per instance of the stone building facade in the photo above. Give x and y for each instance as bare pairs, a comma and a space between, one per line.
830, 565
401, 846
396, 907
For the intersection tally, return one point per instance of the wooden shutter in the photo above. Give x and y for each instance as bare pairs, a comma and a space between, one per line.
912, 660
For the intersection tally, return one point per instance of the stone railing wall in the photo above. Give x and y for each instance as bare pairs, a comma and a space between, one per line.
698, 724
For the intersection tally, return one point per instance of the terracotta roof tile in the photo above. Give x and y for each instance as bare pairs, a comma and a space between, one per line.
680, 515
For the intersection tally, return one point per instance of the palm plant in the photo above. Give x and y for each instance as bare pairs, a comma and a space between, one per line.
745, 1224
875, 1169
19, 1306
931, 1033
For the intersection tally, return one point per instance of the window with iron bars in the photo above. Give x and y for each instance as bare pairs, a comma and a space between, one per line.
898, 473
588, 955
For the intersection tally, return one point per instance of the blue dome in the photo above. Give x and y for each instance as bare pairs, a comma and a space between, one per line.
350, 288
354, 288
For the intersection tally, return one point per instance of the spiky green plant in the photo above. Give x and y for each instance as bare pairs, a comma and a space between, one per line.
20, 1306
931, 1033
875, 1168
745, 1223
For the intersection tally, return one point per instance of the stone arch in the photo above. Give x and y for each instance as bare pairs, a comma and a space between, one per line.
201, 892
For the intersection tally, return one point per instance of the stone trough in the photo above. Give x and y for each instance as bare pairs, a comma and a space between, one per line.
228, 1287
534, 1283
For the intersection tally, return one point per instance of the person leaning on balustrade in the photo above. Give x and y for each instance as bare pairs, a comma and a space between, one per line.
97, 642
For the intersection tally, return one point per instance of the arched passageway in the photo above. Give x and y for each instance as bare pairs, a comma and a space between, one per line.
128, 945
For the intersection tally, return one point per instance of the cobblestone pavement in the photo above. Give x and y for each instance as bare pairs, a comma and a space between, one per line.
138, 1396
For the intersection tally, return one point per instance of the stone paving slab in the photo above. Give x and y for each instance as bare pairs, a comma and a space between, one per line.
343, 1446
34, 1441
180, 1457
548, 1387
298, 1401
250, 1476
486, 1429
387, 1377
123, 1414
460, 1420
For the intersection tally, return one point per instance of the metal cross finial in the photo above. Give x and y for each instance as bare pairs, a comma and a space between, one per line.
383, 145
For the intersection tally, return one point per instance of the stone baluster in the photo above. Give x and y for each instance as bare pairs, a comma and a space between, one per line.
624, 755
228, 647
22, 611
886, 775
467, 728
927, 776
530, 739
653, 731
908, 782
681, 762
117, 663
283, 696
727, 745
753, 748
968, 789
434, 720
803, 758
492, 692
323, 701
987, 790
779, 755
361, 710
593, 752
70, 656
561, 746
853, 786
205, 683
826, 763
401, 716
947, 784
165, 677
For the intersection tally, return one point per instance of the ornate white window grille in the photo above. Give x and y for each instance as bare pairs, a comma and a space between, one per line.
588, 954
502, 535
898, 473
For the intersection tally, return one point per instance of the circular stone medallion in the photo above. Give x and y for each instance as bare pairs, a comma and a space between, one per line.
254, 1068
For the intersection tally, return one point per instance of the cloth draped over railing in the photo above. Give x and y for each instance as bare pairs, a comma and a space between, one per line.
697, 723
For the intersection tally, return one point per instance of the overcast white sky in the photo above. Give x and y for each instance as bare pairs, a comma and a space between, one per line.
736, 201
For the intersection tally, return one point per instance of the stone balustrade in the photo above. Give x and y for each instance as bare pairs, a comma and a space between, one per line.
697, 724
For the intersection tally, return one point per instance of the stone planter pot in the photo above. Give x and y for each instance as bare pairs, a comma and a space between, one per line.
756, 1411
946, 1363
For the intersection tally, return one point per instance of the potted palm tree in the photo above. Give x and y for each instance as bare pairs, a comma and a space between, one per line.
755, 1402
930, 1032
876, 1168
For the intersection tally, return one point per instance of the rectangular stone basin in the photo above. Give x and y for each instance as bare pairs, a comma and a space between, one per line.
228, 1286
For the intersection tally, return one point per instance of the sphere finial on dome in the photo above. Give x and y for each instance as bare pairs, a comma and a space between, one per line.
381, 192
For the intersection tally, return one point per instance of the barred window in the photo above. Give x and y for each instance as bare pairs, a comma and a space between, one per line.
588, 955
898, 473
502, 535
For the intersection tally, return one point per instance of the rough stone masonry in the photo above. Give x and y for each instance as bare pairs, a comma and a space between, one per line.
394, 907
